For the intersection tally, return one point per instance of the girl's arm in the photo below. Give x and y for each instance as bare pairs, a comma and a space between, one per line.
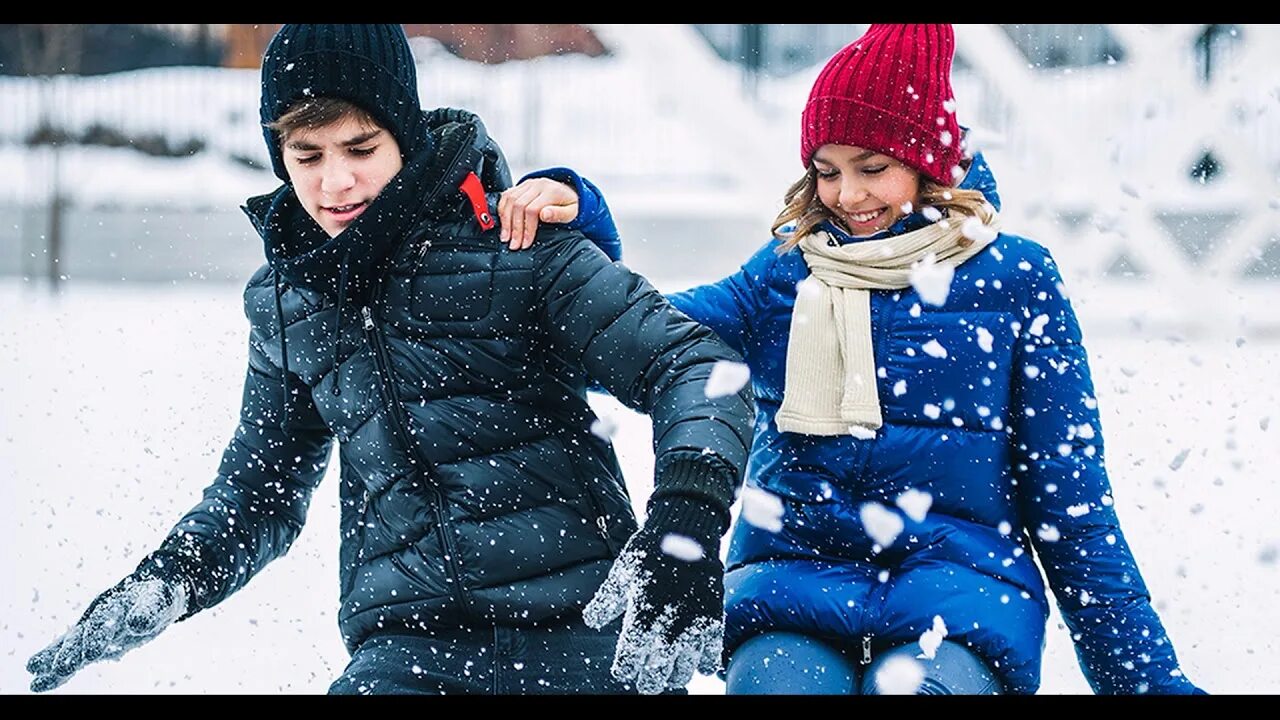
1067, 504
726, 307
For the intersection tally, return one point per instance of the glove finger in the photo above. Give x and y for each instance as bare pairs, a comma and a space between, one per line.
610, 599
67, 660
97, 632
687, 655
712, 650
629, 657
41, 663
105, 625
655, 668
604, 608
45, 683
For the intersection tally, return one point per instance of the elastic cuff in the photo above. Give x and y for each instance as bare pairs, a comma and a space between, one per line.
176, 561
689, 516
594, 219
708, 478
588, 202
709, 484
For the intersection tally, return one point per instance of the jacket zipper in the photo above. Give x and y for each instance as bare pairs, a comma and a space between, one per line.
383, 364
602, 524
866, 649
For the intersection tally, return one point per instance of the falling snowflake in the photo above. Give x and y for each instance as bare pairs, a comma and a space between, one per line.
681, 547
915, 503
762, 509
882, 525
899, 676
862, 433
933, 348
1268, 554
985, 339
604, 428
977, 231
931, 639
727, 377
1037, 325
932, 280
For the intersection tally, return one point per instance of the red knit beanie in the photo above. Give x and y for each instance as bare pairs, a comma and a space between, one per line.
889, 91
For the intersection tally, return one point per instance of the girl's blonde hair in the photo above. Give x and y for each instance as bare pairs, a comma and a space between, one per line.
805, 208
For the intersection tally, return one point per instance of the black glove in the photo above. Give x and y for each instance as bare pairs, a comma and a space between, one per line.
129, 614
670, 582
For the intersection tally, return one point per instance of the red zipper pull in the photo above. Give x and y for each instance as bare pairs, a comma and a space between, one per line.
474, 191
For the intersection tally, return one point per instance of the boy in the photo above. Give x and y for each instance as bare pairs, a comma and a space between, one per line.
479, 512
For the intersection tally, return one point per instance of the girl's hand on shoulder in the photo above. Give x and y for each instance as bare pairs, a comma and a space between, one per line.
521, 208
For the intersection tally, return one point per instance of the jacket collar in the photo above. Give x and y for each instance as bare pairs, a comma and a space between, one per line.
425, 191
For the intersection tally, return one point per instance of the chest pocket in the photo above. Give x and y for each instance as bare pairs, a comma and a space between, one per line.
451, 297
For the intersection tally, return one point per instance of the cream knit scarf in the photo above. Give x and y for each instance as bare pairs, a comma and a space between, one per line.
831, 374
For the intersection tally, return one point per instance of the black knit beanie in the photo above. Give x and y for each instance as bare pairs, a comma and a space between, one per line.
369, 65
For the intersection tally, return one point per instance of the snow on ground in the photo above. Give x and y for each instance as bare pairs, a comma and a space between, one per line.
117, 400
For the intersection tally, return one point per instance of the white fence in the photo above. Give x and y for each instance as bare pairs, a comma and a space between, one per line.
1095, 163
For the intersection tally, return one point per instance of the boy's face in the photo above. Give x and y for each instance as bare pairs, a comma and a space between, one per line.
338, 169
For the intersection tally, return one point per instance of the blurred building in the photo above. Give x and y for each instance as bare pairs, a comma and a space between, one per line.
1145, 156
493, 43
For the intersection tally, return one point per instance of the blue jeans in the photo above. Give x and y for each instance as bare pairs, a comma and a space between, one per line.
784, 663
559, 657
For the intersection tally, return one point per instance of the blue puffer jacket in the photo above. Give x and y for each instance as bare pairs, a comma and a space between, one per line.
1002, 432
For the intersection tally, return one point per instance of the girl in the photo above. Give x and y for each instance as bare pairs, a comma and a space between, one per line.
925, 414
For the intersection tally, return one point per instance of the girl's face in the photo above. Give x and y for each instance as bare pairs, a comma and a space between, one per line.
338, 169
866, 190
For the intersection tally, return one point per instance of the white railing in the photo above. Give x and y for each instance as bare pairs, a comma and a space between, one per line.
1094, 162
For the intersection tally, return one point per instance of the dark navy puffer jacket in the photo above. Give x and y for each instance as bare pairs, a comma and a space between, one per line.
452, 372
989, 408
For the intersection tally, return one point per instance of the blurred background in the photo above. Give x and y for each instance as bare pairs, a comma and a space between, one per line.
1145, 157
